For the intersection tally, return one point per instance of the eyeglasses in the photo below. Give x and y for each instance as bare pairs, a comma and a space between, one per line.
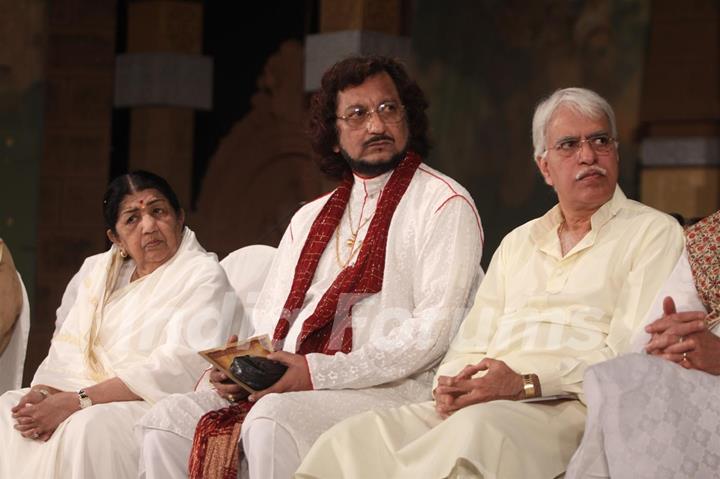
388, 111
600, 144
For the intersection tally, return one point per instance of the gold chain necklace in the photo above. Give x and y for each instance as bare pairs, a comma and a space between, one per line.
350, 243
353, 242
354, 249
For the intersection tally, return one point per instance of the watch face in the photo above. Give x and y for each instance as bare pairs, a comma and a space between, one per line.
85, 401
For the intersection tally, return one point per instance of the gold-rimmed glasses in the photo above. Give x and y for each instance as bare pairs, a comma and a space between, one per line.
601, 144
388, 111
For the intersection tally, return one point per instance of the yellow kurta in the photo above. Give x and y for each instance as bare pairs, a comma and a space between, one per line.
541, 313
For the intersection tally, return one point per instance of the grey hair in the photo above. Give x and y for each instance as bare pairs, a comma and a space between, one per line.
581, 100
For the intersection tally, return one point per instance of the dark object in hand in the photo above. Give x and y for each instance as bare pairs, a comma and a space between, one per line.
257, 372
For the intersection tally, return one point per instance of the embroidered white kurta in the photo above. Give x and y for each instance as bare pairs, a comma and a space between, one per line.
541, 313
432, 267
147, 334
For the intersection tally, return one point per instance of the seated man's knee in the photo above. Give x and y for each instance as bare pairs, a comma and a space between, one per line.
264, 409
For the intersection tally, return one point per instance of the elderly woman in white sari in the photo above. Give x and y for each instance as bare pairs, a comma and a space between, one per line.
131, 338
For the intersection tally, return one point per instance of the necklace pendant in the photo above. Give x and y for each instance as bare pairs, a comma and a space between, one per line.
351, 241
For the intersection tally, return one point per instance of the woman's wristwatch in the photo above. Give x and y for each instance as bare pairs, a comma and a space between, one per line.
85, 400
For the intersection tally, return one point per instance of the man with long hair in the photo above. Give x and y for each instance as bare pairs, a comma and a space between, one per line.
368, 288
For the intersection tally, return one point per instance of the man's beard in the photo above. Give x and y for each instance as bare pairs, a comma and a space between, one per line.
365, 168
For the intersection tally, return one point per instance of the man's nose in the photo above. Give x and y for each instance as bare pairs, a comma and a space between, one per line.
374, 123
586, 154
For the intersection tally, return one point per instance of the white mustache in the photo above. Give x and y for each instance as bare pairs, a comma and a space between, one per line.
590, 170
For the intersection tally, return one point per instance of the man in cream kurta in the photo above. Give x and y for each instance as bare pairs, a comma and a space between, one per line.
562, 292
399, 335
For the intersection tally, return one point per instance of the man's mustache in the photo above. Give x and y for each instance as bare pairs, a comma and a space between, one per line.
375, 138
590, 170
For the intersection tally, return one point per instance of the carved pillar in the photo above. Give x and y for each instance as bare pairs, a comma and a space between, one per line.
163, 77
681, 109
354, 27
75, 163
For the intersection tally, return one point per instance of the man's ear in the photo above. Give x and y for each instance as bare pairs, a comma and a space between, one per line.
336, 148
542, 165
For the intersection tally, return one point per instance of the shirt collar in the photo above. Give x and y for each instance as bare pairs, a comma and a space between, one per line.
370, 186
544, 231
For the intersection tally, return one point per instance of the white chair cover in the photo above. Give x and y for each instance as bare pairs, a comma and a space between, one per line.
12, 360
247, 269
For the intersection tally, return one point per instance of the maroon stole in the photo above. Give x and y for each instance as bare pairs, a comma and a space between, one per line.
328, 329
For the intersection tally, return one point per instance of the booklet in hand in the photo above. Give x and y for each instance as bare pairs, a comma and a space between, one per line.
245, 362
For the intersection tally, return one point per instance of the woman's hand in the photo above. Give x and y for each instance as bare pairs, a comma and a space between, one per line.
296, 378
684, 339
457, 392
673, 327
39, 420
699, 351
34, 396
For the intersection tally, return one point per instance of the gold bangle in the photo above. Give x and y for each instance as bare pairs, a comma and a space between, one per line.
529, 386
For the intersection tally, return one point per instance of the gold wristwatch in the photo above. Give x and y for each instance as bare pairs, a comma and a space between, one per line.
530, 386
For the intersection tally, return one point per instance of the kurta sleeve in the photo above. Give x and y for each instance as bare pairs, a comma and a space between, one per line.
202, 315
655, 252
472, 341
407, 342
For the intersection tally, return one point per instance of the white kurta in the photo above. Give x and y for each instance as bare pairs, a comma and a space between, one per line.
146, 333
541, 313
432, 267
648, 417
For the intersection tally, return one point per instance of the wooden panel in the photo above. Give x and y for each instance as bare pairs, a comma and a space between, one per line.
682, 71
165, 26
376, 15
161, 141
690, 191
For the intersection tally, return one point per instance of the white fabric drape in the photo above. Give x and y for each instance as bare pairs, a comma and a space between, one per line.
147, 334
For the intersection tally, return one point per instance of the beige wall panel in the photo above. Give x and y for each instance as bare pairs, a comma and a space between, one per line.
690, 191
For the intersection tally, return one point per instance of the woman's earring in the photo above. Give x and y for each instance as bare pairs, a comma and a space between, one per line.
123, 253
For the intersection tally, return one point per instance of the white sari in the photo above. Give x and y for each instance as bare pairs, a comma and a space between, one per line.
147, 333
